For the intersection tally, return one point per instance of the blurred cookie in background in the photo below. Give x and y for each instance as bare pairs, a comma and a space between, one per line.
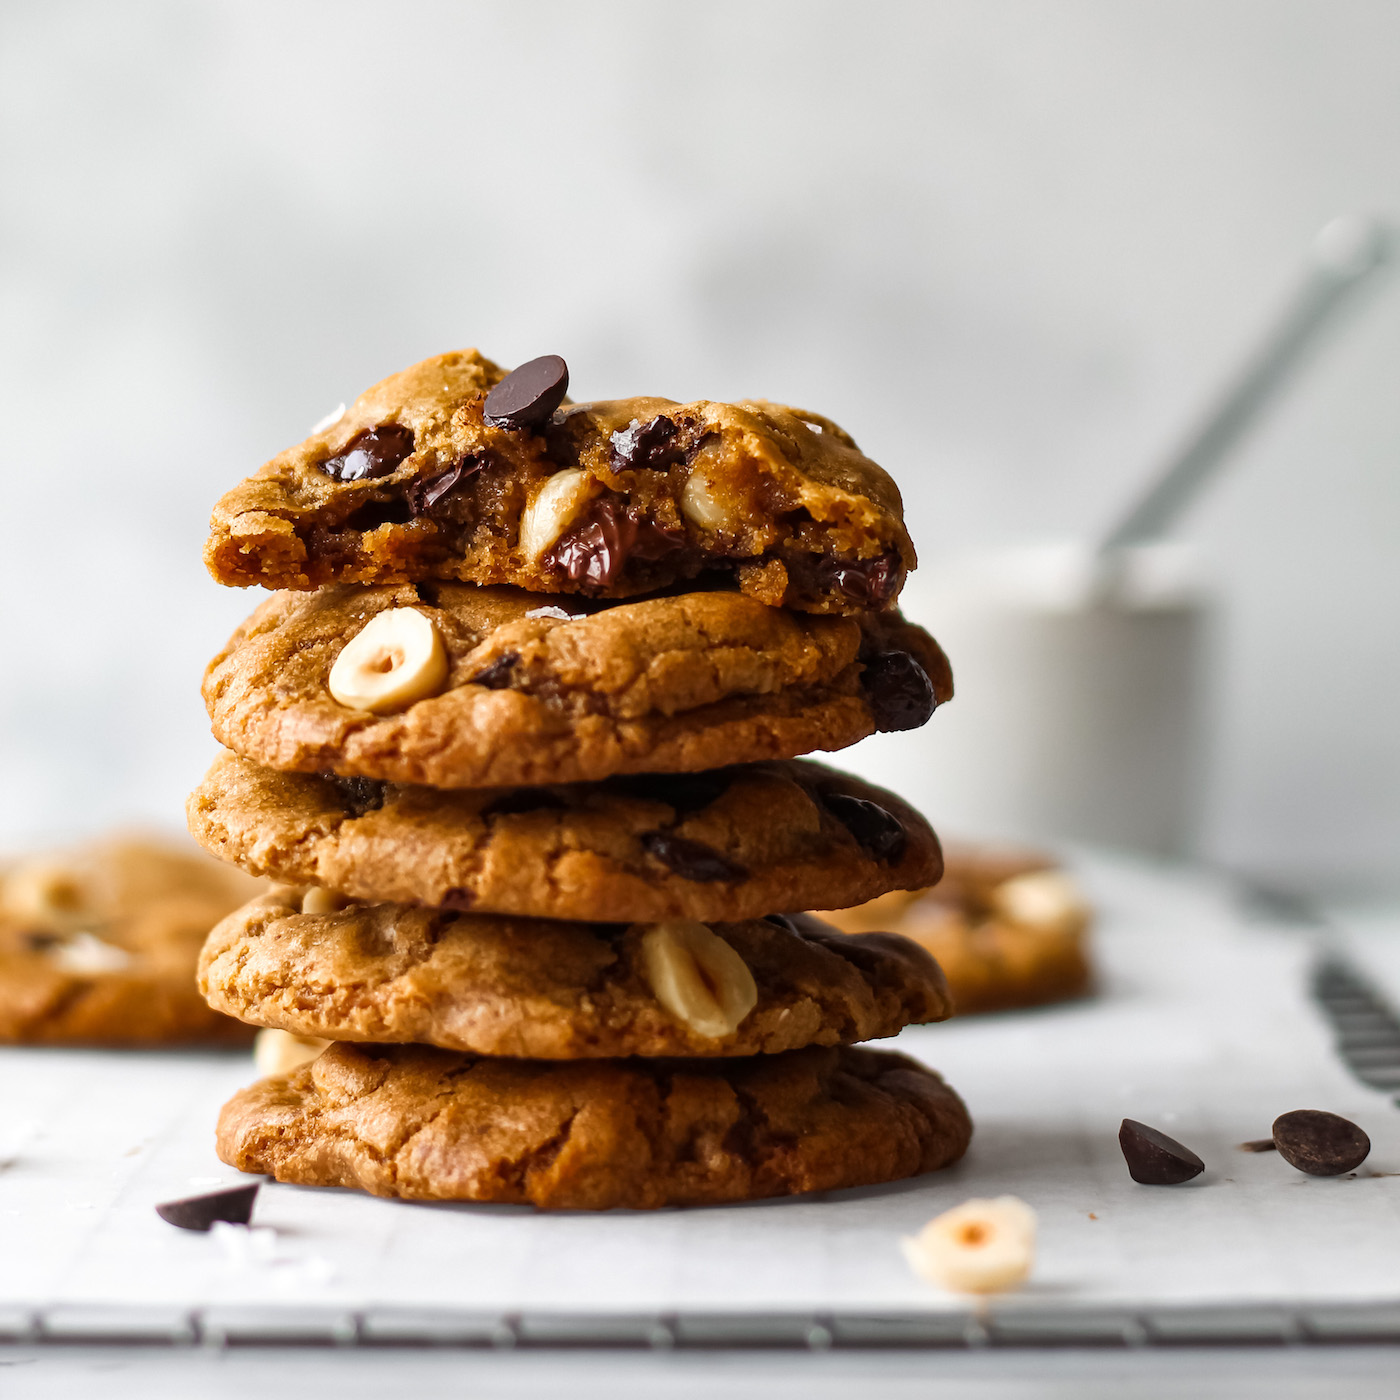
98, 944
1008, 927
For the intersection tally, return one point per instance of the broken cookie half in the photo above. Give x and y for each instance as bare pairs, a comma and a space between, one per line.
455, 470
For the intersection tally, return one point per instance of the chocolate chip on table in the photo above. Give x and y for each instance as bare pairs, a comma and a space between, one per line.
200, 1212
877, 831
373, 452
497, 675
1256, 1145
1320, 1143
527, 396
358, 795
691, 860
898, 691
650, 444
596, 550
683, 792
1153, 1158
427, 492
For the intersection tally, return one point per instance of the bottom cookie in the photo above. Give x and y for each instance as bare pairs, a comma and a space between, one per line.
1008, 928
435, 1125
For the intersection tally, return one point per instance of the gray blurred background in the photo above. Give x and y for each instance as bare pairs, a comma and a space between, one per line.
1009, 246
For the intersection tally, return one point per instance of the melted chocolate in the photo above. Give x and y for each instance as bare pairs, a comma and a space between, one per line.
691, 860
655, 444
898, 691
595, 551
497, 675
877, 831
427, 494
373, 452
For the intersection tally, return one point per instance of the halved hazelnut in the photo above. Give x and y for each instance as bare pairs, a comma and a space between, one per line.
86, 955
700, 505
321, 901
280, 1052
698, 977
46, 896
396, 659
556, 506
981, 1246
1041, 899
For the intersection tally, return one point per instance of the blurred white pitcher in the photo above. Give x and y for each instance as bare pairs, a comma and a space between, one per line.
1078, 709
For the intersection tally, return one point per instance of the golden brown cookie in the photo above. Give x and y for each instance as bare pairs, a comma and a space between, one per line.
98, 946
732, 843
433, 1125
1009, 928
550, 989
490, 687
443, 471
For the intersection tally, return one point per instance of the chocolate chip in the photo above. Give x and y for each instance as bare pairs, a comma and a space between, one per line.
527, 396
803, 925
512, 804
1256, 1145
1320, 1143
691, 860
431, 491
877, 831
1153, 1158
373, 452
200, 1212
651, 444
684, 792
596, 550
357, 795
497, 675
868, 583
898, 691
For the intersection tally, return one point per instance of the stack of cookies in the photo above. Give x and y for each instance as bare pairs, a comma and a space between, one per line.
518, 736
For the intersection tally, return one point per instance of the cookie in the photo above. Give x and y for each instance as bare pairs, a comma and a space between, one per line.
433, 1125
98, 946
1009, 929
452, 470
550, 989
733, 843
451, 685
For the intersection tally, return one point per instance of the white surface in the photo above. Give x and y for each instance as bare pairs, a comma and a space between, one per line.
1204, 1030
1009, 245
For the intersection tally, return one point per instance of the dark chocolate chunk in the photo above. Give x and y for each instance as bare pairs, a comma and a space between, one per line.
684, 792
1256, 1145
372, 514
1153, 1158
200, 1212
651, 444
877, 831
357, 795
497, 675
869, 583
520, 800
373, 452
898, 691
691, 860
596, 550
428, 492
527, 396
1320, 1143
804, 925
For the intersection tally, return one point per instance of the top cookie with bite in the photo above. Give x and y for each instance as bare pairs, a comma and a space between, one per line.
455, 470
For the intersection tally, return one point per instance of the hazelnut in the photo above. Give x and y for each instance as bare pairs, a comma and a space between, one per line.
556, 506
697, 977
395, 659
699, 504
45, 896
86, 955
1041, 899
321, 901
981, 1246
280, 1052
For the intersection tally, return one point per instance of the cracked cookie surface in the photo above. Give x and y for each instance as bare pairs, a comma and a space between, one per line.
98, 946
432, 1125
535, 693
547, 989
417, 481
733, 843
1009, 928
